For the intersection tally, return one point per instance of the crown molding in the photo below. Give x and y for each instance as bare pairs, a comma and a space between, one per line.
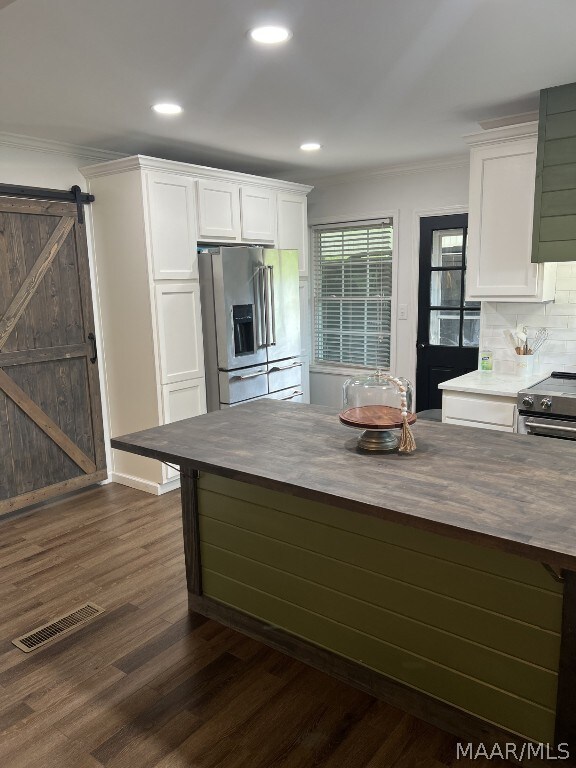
421, 166
528, 130
144, 163
33, 144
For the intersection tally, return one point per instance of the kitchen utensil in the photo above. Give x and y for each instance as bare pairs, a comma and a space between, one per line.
539, 339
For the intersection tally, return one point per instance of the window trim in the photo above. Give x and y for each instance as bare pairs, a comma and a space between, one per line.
325, 222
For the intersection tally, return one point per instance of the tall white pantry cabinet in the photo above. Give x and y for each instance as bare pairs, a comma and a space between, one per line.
148, 217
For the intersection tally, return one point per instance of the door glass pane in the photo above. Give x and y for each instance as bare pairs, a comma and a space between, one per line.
471, 328
447, 247
444, 327
446, 288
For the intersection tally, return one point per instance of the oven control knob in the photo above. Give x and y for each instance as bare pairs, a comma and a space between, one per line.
546, 403
528, 401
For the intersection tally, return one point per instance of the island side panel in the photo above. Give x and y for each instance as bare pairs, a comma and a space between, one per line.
476, 629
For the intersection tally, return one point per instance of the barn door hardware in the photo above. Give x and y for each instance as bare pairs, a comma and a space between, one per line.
74, 195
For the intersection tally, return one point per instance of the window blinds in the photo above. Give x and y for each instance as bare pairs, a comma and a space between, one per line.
353, 293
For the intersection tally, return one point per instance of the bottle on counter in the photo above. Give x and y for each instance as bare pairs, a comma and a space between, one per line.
486, 361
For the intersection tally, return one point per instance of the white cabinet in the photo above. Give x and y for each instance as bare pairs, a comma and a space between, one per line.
476, 410
218, 210
179, 332
172, 224
501, 205
182, 400
293, 226
148, 217
258, 214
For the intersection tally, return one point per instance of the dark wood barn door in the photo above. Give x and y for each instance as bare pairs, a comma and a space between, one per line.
51, 437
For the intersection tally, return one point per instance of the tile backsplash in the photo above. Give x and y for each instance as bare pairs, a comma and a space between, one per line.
559, 316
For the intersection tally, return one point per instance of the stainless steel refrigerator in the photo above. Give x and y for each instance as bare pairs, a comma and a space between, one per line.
251, 324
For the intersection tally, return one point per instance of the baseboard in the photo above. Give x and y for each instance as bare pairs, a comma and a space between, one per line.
156, 489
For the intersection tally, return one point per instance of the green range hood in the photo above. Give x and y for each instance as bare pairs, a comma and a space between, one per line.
554, 232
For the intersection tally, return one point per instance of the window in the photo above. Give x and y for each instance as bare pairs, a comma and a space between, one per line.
353, 293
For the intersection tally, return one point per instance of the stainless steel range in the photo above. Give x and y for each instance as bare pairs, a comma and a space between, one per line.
548, 408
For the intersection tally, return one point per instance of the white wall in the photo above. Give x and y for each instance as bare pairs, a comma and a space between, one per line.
406, 194
558, 316
32, 163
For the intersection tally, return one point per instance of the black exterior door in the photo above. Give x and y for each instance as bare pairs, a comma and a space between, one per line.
448, 326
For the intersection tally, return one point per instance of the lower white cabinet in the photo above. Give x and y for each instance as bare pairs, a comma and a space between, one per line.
474, 410
182, 400
179, 331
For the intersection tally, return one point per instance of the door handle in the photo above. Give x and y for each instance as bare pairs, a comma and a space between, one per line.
261, 309
92, 340
285, 367
272, 305
421, 345
248, 376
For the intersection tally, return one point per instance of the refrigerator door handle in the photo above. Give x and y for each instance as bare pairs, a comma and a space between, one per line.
260, 307
285, 367
271, 309
248, 376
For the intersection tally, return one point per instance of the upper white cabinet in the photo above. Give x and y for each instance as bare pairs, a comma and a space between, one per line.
293, 226
218, 210
501, 205
258, 213
172, 225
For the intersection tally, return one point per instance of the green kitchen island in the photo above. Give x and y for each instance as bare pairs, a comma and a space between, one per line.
443, 582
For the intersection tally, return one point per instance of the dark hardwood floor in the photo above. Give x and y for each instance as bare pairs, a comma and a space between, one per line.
148, 686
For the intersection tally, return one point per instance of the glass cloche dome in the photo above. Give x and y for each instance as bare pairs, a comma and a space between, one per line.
379, 403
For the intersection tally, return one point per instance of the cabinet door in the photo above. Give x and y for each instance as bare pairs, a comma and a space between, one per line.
182, 401
293, 226
218, 210
172, 226
258, 210
179, 332
502, 178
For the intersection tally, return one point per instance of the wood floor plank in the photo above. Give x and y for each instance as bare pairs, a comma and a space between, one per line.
147, 685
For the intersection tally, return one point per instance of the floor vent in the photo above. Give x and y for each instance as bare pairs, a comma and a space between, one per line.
47, 633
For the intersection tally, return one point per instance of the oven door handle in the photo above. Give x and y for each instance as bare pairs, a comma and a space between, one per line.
550, 427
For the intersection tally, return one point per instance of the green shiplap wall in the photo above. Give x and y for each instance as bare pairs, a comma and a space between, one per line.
474, 627
554, 233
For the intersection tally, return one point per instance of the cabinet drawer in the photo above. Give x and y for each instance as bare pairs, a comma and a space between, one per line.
478, 409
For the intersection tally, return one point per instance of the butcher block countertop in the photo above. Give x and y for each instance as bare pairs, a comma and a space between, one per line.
511, 492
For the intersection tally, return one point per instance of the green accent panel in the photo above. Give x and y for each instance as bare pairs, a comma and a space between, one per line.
561, 98
475, 627
414, 638
488, 702
559, 177
421, 607
472, 556
564, 250
558, 228
559, 151
561, 125
561, 203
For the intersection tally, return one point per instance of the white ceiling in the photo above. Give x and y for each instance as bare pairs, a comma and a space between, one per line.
377, 82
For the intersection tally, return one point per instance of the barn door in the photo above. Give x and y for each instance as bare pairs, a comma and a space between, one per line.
51, 438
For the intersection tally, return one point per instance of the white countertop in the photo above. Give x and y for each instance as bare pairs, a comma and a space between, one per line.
490, 383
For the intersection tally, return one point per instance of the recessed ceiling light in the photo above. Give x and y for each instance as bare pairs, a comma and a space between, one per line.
270, 35
167, 109
310, 146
